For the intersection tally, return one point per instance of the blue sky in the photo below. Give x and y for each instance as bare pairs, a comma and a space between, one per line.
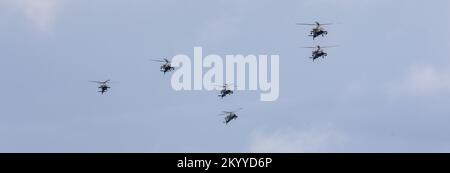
385, 89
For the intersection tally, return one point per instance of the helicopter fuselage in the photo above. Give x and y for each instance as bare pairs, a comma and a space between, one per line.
318, 54
230, 117
225, 92
166, 68
103, 88
318, 32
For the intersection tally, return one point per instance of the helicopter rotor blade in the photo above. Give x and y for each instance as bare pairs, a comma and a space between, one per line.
228, 85
103, 82
224, 113
315, 24
157, 60
218, 87
222, 85
329, 46
98, 82
308, 24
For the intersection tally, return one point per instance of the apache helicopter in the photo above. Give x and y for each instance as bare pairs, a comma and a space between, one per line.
318, 30
230, 115
225, 90
103, 86
166, 67
319, 52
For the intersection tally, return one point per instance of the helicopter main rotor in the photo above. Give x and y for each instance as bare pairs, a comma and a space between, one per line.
100, 82
317, 24
320, 47
164, 60
230, 112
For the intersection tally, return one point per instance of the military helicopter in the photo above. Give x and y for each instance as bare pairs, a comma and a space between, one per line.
230, 115
225, 90
318, 30
319, 52
103, 85
166, 67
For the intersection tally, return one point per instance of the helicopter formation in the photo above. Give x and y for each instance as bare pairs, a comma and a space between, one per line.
167, 67
315, 32
225, 90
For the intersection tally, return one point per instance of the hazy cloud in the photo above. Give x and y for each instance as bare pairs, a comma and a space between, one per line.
287, 141
423, 80
343, 3
40, 13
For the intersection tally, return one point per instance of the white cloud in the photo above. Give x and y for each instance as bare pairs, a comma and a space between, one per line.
41, 13
423, 81
429, 80
285, 141
343, 3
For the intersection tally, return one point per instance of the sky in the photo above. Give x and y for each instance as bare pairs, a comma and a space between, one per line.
386, 88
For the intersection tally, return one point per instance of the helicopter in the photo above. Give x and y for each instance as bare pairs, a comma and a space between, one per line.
230, 115
166, 67
225, 90
103, 85
319, 52
318, 30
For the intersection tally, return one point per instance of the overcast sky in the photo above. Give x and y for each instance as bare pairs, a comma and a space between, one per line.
385, 89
